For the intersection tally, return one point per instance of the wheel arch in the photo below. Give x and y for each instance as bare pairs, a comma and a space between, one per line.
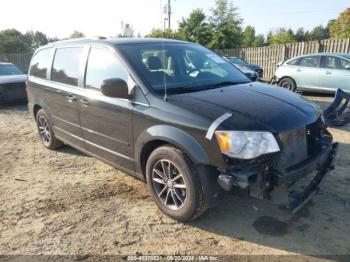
290, 77
160, 135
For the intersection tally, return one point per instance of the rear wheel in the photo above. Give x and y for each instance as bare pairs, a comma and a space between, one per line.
174, 184
46, 133
288, 83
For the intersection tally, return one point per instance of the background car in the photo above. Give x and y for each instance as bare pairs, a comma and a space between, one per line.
322, 72
251, 74
12, 84
245, 65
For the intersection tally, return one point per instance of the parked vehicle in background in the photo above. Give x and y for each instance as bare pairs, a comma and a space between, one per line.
244, 65
322, 72
179, 117
252, 75
12, 84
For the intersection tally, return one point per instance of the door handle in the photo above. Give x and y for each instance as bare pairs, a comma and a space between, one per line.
71, 98
328, 72
84, 102
299, 70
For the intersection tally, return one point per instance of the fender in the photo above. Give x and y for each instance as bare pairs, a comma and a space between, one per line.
175, 136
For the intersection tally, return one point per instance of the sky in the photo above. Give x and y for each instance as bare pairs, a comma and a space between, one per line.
104, 17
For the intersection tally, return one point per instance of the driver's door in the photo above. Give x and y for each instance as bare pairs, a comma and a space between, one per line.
106, 122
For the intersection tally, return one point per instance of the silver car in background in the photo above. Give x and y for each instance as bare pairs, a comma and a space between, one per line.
322, 72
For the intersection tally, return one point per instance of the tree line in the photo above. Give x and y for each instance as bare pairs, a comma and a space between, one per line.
13, 41
221, 29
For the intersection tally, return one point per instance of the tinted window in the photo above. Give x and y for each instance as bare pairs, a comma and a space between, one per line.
103, 65
181, 67
309, 61
40, 63
9, 69
66, 65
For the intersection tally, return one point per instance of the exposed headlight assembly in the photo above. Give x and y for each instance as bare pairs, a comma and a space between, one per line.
246, 144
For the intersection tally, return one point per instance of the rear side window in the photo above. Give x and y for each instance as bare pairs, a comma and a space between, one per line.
103, 65
66, 65
40, 63
309, 61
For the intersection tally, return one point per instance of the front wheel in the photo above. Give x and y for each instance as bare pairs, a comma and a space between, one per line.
288, 83
174, 184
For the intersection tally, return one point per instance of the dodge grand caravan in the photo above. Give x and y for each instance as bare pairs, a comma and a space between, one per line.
179, 117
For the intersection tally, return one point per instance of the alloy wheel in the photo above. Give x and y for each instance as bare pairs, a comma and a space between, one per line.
169, 184
44, 130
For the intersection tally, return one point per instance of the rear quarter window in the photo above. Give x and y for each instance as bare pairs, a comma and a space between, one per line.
66, 65
40, 63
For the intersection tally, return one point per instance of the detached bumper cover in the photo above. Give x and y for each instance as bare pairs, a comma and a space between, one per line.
338, 113
299, 200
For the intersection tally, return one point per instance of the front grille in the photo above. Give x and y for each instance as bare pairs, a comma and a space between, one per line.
13, 85
294, 146
12, 91
300, 144
314, 134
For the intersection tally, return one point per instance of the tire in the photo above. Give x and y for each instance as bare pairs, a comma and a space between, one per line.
288, 83
45, 131
177, 202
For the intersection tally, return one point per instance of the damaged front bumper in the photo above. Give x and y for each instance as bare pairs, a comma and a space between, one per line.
275, 186
297, 200
338, 113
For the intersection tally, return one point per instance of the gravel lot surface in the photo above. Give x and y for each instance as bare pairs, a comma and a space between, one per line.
67, 203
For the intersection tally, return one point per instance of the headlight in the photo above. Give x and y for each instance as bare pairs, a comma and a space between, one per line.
246, 144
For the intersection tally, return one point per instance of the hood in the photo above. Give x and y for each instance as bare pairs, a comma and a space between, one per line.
12, 79
254, 107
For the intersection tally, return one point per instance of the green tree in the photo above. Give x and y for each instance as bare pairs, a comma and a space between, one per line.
195, 28
319, 33
259, 40
300, 35
12, 41
77, 34
35, 39
249, 36
341, 27
281, 36
167, 33
226, 26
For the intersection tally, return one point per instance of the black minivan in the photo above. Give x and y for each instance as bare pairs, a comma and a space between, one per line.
179, 117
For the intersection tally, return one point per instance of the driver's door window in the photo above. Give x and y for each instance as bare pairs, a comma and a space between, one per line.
103, 65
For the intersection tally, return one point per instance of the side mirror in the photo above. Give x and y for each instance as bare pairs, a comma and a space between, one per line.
115, 87
347, 67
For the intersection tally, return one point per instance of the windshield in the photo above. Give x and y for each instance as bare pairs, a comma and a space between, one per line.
180, 67
9, 69
238, 61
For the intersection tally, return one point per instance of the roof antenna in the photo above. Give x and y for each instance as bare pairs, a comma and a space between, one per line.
165, 85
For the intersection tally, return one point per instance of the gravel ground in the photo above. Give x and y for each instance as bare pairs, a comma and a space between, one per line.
67, 203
